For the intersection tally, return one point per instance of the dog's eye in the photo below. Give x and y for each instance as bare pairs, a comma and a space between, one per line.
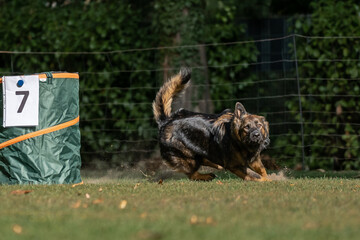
247, 126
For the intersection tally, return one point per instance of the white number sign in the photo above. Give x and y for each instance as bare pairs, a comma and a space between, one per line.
20, 101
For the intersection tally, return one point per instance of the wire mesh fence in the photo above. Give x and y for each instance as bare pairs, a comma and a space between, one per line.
307, 88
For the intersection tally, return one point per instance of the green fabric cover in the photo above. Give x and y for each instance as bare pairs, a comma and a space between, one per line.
50, 158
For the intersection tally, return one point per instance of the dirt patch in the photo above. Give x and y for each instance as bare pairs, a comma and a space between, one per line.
279, 176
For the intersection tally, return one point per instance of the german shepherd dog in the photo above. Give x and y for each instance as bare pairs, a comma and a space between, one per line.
232, 139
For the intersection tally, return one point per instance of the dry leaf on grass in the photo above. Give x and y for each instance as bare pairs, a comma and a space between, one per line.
77, 204
210, 221
100, 189
310, 225
123, 204
98, 201
143, 215
136, 186
17, 229
200, 220
20, 192
160, 182
87, 196
194, 219
219, 182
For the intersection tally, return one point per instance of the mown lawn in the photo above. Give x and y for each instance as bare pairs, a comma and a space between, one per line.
226, 208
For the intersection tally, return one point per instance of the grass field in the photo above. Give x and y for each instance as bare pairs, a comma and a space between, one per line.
325, 206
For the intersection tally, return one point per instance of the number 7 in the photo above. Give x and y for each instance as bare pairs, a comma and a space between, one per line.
22, 104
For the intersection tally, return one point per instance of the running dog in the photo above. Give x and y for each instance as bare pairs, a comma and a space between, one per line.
232, 139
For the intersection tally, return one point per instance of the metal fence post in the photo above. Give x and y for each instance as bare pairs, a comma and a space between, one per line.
300, 105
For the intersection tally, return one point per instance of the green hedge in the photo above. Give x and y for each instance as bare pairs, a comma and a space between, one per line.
331, 88
117, 88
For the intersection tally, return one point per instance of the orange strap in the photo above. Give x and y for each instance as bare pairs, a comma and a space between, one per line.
39, 133
78, 184
57, 75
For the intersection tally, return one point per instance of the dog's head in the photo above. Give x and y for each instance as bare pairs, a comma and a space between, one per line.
251, 130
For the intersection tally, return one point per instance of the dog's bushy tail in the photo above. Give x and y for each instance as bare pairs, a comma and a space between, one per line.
167, 93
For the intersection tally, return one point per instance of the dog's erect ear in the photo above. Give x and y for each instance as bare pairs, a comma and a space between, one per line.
239, 110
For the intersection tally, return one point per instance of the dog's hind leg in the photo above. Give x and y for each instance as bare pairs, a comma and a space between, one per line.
196, 176
191, 170
190, 167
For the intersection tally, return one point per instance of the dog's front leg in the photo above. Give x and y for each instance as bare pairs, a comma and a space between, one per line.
259, 168
245, 174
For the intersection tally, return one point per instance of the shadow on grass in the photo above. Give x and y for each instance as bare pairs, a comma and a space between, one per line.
325, 174
292, 174
110, 175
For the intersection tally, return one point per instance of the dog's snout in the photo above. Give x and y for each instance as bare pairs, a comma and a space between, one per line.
255, 133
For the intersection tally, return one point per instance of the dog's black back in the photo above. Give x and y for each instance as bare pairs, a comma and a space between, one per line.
193, 135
